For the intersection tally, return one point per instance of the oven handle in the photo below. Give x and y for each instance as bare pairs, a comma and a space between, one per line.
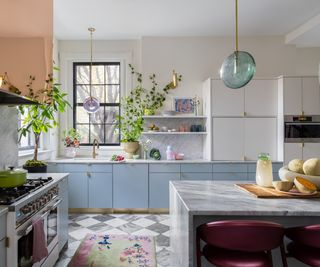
302, 123
30, 227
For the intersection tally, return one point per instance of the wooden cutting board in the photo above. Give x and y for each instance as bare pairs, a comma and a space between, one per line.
263, 192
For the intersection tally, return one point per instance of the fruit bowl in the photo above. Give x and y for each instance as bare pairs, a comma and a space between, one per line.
286, 175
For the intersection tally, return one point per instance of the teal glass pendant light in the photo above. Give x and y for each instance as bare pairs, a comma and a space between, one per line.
239, 68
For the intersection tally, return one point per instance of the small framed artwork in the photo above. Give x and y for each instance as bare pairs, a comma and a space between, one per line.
183, 105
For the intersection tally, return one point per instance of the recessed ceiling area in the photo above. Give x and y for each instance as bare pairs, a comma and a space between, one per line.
128, 19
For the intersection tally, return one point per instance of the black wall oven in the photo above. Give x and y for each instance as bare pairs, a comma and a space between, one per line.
302, 129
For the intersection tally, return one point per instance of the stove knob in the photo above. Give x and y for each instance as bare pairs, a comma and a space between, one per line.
25, 209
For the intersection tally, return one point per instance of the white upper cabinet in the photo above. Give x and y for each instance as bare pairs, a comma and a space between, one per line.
257, 99
292, 151
261, 98
301, 95
226, 102
310, 96
311, 150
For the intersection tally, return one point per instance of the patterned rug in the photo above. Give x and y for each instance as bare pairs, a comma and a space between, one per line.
100, 250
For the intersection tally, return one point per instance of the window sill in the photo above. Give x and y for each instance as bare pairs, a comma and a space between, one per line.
28, 153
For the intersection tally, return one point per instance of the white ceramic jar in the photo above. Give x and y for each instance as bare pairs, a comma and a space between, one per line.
264, 175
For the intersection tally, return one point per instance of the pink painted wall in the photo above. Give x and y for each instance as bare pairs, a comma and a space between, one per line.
26, 41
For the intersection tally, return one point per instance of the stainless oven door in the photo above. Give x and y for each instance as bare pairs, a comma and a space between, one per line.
302, 132
49, 214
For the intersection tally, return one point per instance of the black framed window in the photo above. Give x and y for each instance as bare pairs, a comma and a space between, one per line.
26, 142
106, 88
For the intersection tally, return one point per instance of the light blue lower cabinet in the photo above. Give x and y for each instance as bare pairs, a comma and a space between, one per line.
196, 176
159, 189
78, 190
55, 167
230, 176
130, 185
100, 190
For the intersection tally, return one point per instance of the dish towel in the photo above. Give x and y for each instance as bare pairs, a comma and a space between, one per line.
40, 250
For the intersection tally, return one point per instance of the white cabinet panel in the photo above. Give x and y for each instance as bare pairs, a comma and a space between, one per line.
226, 101
261, 98
292, 95
292, 151
228, 136
311, 150
310, 96
260, 136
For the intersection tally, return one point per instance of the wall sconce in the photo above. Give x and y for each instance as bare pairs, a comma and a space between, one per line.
174, 79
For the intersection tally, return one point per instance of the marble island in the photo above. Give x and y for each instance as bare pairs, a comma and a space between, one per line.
193, 203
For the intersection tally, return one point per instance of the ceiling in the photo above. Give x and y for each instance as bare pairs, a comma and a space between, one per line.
132, 19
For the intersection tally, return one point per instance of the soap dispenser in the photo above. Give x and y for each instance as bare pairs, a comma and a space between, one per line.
170, 153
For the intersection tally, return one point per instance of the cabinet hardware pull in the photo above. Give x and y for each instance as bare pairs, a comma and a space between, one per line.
302, 145
7, 242
89, 174
244, 114
302, 113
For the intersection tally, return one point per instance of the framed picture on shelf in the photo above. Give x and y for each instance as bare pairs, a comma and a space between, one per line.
183, 105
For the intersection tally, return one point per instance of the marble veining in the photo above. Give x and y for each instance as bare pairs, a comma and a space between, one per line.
8, 136
223, 198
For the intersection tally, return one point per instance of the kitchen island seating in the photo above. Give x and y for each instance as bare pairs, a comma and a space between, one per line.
305, 245
235, 243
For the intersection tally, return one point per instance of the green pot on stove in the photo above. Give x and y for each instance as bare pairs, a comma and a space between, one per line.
13, 177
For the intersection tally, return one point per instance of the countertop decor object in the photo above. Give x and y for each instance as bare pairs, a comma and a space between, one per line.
155, 154
71, 142
91, 104
193, 203
239, 68
286, 175
13, 177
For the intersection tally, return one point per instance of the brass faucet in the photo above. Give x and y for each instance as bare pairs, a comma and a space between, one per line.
95, 142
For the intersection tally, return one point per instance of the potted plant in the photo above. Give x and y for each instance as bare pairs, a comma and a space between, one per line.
71, 142
138, 103
42, 117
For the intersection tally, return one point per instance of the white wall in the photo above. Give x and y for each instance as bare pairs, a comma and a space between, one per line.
196, 58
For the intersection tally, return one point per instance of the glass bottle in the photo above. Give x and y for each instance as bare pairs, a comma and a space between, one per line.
264, 175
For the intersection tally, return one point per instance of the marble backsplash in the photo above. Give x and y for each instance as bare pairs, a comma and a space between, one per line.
8, 136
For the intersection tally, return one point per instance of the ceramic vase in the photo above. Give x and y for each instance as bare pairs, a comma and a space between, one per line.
70, 152
130, 148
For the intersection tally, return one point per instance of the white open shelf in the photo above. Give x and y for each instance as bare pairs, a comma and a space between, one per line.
181, 133
175, 117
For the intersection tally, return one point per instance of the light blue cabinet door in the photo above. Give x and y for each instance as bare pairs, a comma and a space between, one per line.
63, 214
159, 189
196, 176
54, 167
130, 186
78, 190
231, 176
100, 190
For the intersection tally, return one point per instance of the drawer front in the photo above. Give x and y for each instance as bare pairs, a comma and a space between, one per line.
196, 167
54, 167
232, 176
77, 167
164, 167
196, 176
105, 167
3, 226
275, 167
229, 167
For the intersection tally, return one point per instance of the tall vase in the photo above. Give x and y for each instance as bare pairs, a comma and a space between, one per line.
130, 148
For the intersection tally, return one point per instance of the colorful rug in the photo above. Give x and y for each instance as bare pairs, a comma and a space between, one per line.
102, 250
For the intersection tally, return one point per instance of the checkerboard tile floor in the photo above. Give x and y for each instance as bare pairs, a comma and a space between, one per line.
135, 224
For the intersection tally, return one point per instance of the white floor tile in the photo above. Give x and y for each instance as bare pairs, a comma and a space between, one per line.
115, 231
87, 222
146, 232
144, 222
166, 222
116, 222
167, 233
80, 233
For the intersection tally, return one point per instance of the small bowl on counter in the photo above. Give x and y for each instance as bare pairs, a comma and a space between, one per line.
179, 156
283, 185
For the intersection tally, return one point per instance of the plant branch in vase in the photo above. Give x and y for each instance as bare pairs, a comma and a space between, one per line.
71, 142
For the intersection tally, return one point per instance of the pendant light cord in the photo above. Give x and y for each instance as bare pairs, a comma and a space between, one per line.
236, 9
90, 78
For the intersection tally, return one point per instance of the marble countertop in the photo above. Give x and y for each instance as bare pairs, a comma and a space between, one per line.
107, 160
223, 198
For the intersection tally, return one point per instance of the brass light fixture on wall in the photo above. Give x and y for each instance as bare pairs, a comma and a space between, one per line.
91, 104
174, 79
239, 68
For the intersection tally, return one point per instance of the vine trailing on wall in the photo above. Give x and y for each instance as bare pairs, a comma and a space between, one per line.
139, 102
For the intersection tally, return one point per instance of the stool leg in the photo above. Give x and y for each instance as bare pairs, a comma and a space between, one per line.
198, 251
283, 255
270, 257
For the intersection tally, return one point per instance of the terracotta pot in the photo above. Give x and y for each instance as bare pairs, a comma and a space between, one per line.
130, 148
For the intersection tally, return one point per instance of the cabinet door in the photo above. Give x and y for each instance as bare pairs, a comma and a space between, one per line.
78, 190
292, 151
159, 189
292, 96
226, 101
310, 96
260, 136
196, 176
3, 251
63, 214
261, 98
311, 150
130, 186
228, 136
100, 190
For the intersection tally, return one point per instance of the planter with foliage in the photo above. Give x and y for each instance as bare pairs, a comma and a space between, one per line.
40, 118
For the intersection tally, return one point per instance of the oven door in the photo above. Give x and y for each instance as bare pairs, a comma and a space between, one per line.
302, 132
49, 214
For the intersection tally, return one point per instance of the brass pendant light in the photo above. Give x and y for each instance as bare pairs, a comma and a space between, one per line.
239, 68
91, 104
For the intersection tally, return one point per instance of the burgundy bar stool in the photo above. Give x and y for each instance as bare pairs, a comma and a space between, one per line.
240, 243
306, 244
